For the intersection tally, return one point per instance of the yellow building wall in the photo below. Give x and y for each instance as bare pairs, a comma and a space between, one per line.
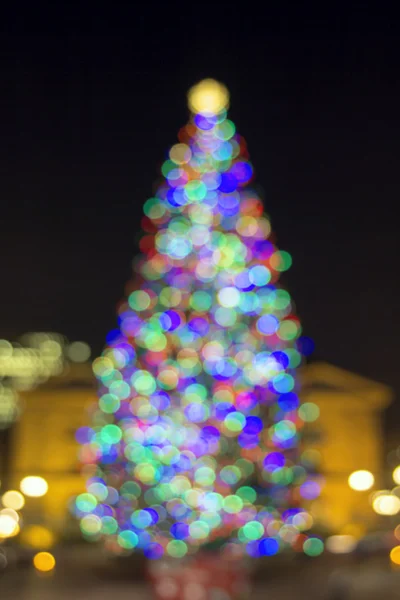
349, 437
44, 444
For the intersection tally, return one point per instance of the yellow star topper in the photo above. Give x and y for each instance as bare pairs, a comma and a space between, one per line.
208, 97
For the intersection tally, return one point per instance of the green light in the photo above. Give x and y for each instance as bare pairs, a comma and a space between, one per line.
288, 330
167, 166
253, 530
282, 476
195, 190
109, 525
199, 530
226, 317
177, 548
294, 357
201, 301
90, 525
120, 389
281, 260
154, 209
139, 300
313, 547
308, 412
282, 299
131, 488
143, 382
247, 494
233, 504
246, 466
109, 403
204, 476
128, 539
225, 130
111, 434
86, 502
235, 421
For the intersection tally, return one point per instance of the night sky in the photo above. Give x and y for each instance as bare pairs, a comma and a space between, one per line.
91, 100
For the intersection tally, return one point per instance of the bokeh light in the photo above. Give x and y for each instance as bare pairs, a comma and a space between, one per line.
341, 544
79, 352
8, 525
44, 562
395, 555
34, 486
361, 480
386, 504
208, 97
396, 475
37, 536
13, 499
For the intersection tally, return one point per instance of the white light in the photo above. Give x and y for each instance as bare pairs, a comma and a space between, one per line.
396, 475
361, 480
341, 544
13, 499
34, 486
229, 297
7, 525
386, 504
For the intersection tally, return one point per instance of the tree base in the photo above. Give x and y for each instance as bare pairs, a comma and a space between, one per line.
203, 577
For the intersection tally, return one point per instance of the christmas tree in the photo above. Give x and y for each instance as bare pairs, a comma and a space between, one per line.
195, 436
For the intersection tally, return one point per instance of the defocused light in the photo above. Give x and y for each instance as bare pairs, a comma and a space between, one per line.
361, 480
208, 97
8, 525
44, 561
34, 486
11, 513
386, 504
37, 536
9, 407
13, 499
341, 544
79, 352
395, 555
396, 475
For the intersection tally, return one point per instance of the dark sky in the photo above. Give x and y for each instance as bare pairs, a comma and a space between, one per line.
91, 100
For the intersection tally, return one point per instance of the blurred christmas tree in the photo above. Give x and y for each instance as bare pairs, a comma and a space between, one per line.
195, 437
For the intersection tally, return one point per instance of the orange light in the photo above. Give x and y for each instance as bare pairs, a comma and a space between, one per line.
395, 555
44, 561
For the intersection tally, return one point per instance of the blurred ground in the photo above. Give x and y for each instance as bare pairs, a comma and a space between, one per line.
82, 573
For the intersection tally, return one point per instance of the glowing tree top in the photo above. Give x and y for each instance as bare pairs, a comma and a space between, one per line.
195, 437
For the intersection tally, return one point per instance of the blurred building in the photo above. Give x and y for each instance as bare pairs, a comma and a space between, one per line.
348, 436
